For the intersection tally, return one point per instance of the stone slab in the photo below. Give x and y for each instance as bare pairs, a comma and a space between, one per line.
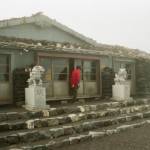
121, 92
35, 98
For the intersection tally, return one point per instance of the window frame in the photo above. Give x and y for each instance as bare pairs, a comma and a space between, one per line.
91, 73
59, 66
7, 73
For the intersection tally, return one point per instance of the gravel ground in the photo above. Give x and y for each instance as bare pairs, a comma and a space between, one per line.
134, 139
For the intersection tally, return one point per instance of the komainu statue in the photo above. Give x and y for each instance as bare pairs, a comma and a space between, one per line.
35, 76
121, 76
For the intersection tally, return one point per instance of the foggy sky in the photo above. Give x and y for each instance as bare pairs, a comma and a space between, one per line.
117, 22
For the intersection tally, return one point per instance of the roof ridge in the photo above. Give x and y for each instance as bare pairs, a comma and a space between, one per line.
43, 20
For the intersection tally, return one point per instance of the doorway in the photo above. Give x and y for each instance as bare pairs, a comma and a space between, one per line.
90, 76
5, 90
72, 64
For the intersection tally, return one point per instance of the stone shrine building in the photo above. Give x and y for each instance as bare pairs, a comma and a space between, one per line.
27, 41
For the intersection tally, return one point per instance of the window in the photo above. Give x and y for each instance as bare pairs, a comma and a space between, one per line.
118, 65
60, 69
4, 67
79, 63
89, 70
55, 68
129, 71
46, 62
121, 64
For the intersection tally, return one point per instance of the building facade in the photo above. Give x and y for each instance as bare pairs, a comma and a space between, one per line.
28, 41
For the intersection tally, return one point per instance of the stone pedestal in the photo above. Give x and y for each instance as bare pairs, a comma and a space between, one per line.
35, 98
121, 92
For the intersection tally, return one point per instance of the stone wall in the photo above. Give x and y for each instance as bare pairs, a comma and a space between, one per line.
142, 77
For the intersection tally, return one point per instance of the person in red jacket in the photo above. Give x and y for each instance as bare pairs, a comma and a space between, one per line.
75, 80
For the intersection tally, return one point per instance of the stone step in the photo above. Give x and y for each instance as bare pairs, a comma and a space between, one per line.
6, 116
19, 115
71, 129
52, 144
69, 118
94, 107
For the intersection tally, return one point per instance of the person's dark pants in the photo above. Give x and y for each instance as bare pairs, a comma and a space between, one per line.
74, 93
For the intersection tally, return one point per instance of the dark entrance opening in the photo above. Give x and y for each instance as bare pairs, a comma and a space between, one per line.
71, 67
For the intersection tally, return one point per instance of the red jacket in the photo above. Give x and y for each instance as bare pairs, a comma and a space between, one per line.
75, 78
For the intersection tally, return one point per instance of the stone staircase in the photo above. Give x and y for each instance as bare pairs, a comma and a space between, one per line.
65, 125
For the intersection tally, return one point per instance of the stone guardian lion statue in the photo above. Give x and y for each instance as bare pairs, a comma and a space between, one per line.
35, 76
121, 76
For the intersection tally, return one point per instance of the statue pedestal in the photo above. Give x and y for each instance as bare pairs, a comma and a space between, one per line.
121, 92
35, 98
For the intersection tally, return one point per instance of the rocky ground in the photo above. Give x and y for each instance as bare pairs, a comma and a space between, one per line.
133, 139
